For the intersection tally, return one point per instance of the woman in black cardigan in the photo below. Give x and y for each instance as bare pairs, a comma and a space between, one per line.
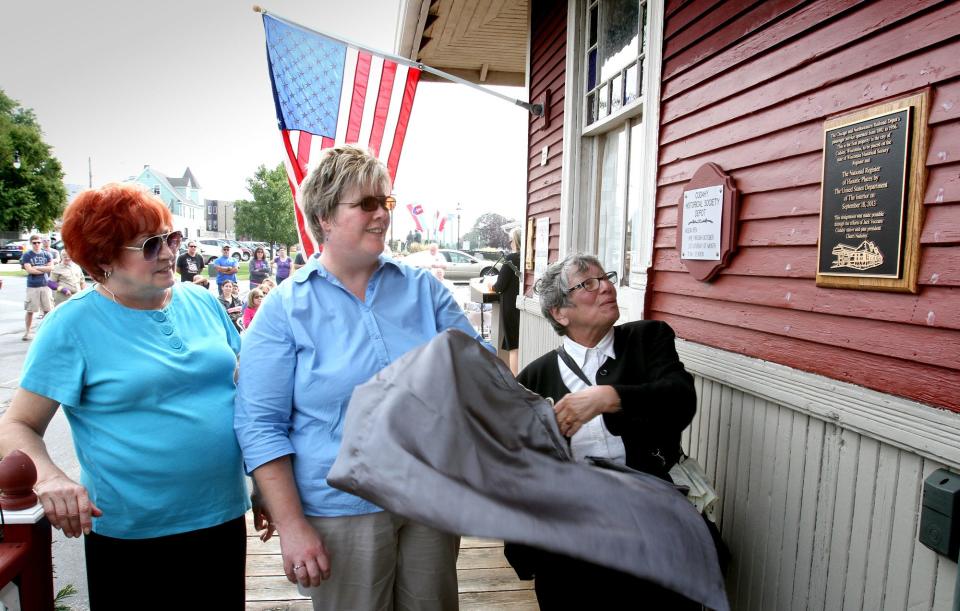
620, 393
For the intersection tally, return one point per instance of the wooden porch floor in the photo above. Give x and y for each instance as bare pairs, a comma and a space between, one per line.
486, 580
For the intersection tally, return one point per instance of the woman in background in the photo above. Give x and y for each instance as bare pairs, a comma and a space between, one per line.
260, 268
508, 286
231, 303
282, 264
66, 279
254, 298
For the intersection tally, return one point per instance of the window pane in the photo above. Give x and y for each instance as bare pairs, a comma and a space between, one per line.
631, 90
620, 42
604, 107
591, 108
593, 26
613, 186
616, 93
591, 69
633, 264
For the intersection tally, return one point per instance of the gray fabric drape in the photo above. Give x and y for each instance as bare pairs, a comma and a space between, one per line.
445, 436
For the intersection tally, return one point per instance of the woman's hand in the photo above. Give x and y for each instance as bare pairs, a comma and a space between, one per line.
305, 558
261, 515
578, 408
67, 505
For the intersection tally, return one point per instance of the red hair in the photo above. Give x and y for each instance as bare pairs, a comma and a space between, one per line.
100, 222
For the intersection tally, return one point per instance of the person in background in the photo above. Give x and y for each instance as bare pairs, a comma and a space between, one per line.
38, 263
226, 267
66, 279
54, 255
620, 393
437, 261
143, 367
348, 314
254, 297
508, 286
267, 285
298, 260
202, 281
189, 264
260, 268
282, 264
231, 303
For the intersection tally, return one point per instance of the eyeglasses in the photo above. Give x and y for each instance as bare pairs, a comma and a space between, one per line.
152, 245
372, 202
592, 284
191, 245
37, 242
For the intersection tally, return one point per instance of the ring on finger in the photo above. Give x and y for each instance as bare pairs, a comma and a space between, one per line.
297, 567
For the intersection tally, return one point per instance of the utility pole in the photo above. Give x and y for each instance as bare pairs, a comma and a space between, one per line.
459, 209
90, 172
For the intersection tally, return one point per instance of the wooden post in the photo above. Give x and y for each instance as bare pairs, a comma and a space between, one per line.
27, 531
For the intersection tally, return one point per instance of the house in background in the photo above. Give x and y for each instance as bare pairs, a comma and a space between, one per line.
821, 409
220, 218
182, 196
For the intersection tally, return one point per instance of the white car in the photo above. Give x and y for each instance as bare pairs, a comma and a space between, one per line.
461, 267
211, 249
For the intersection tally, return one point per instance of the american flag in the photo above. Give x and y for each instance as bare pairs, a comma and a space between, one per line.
327, 92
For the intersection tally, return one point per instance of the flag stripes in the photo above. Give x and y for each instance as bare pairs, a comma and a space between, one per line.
369, 103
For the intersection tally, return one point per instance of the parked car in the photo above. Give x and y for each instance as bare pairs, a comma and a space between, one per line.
211, 249
245, 251
461, 267
12, 251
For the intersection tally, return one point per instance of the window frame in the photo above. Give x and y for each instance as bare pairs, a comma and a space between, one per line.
580, 206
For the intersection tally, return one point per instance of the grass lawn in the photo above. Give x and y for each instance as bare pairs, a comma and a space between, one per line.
15, 273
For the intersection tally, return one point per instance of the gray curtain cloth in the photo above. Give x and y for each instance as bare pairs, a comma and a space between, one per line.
445, 436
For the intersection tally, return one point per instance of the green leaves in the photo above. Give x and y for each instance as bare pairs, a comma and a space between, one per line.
32, 195
269, 216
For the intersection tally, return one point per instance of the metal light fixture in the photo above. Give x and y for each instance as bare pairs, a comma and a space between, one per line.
16, 160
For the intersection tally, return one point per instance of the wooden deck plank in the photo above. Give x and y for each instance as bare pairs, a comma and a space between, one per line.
485, 579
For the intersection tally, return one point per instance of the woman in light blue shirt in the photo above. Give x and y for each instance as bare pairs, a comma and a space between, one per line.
143, 367
338, 321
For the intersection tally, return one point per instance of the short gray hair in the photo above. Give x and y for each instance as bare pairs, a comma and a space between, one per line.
341, 168
553, 286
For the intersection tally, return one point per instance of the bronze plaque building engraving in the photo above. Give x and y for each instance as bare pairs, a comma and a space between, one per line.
873, 177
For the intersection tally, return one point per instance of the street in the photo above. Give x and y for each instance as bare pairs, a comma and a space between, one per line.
68, 562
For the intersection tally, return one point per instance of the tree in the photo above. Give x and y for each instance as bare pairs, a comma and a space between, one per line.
32, 195
488, 232
269, 217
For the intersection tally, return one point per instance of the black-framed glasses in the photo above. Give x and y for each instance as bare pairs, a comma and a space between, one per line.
372, 202
592, 284
152, 245
37, 242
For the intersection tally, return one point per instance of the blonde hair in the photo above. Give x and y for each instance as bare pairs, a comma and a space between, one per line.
341, 168
253, 294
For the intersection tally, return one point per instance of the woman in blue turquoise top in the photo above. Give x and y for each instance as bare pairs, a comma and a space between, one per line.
342, 318
144, 369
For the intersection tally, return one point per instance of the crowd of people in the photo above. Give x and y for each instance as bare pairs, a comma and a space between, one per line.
163, 394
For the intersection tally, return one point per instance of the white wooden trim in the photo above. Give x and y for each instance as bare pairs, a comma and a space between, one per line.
572, 106
31, 515
915, 427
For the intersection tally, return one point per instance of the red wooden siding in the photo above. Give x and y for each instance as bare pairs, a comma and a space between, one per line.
548, 22
748, 85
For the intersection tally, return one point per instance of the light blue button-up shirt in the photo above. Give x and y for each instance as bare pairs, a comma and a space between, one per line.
310, 344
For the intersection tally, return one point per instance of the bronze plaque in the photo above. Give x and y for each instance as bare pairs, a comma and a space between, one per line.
868, 179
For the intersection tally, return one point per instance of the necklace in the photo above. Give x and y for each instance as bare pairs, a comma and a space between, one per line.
166, 297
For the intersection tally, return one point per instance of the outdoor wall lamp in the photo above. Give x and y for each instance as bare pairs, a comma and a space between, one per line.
16, 160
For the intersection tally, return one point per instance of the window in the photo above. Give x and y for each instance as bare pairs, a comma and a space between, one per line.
156, 189
614, 57
613, 208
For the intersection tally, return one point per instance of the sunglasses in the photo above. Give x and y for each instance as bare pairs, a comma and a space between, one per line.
372, 202
34, 242
152, 245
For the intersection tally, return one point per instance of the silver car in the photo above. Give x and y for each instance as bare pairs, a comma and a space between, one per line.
461, 267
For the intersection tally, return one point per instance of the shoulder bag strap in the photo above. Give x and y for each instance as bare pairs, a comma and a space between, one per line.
569, 362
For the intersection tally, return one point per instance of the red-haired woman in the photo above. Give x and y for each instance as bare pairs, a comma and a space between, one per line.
143, 367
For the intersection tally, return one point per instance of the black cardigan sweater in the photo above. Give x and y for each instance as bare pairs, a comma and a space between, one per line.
657, 396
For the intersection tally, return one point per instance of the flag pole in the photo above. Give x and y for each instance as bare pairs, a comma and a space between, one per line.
535, 109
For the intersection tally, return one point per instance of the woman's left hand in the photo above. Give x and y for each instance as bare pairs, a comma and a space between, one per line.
578, 408
261, 518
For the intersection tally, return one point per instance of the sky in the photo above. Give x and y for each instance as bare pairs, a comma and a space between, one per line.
178, 83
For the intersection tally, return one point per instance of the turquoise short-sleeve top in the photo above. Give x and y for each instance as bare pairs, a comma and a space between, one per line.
149, 396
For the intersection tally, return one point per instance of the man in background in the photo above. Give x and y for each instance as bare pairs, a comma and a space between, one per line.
226, 267
37, 263
189, 264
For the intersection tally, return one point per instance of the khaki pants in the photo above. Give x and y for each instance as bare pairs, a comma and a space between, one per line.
382, 561
37, 299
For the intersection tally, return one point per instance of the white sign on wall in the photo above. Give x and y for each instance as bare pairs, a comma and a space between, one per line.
702, 216
541, 250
